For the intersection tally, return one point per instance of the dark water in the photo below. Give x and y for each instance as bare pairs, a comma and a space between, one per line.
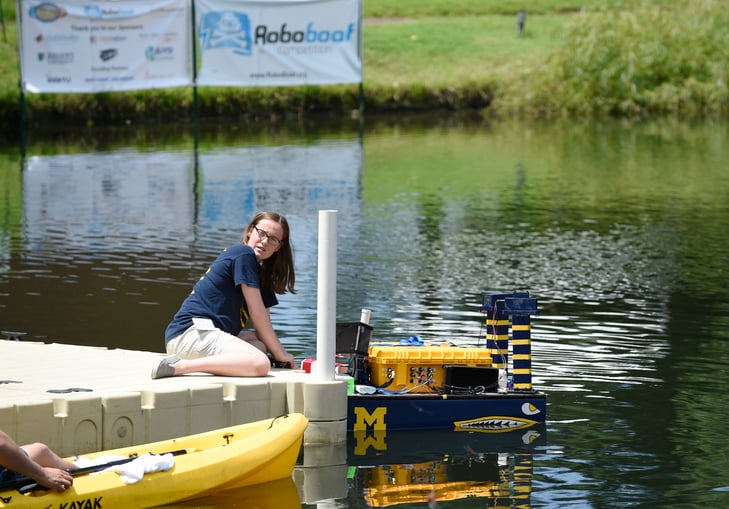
619, 230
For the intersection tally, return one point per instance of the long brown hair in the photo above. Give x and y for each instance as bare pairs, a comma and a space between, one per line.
277, 272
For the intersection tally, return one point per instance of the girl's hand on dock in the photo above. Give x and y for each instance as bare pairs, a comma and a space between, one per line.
285, 361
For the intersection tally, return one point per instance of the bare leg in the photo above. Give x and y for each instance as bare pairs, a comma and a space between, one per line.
251, 338
45, 457
240, 358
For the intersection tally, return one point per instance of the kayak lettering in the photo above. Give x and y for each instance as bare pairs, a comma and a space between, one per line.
85, 503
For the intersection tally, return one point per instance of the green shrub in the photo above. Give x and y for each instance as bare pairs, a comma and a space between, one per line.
649, 59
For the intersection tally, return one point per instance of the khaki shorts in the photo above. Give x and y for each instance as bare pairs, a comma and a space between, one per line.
195, 343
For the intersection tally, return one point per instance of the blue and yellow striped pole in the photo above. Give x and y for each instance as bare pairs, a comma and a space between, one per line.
503, 310
497, 337
521, 346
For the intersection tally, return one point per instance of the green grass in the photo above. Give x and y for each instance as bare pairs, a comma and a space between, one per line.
460, 8
576, 58
443, 52
9, 71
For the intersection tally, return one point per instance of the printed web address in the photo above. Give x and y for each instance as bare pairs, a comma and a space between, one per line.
261, 75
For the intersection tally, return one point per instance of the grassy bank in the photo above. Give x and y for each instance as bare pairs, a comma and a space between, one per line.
627, 58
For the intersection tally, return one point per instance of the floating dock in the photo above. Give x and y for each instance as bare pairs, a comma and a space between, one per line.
81, 399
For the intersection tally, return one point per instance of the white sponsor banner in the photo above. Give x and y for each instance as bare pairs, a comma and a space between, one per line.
104, 45
278, 42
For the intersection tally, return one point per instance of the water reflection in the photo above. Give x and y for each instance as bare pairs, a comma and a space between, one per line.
434, 468
101, 203
94, 221
618, 230
281, 494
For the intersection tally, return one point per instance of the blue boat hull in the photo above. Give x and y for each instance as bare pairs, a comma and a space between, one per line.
490, 412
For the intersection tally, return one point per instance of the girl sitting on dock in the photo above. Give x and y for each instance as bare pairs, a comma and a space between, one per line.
207, 333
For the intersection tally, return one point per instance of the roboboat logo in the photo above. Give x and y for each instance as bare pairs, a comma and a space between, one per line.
226, 29
230, 29
95, 11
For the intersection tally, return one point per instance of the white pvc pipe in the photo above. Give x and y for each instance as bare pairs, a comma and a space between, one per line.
326, 297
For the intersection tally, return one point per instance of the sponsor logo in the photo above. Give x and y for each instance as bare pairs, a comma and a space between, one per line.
56, 57
95, 11
58, 79
108, 54
57, 38
156, 53
105, 39
166, 37
110, 68
47, 12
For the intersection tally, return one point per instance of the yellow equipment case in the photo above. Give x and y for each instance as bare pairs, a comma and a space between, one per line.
418, 369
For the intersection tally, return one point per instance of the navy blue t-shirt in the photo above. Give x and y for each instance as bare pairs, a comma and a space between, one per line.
218, 295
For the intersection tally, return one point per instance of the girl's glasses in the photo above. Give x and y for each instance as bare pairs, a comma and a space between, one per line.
263, 235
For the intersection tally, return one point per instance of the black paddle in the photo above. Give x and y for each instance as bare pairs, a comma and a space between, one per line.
25, 484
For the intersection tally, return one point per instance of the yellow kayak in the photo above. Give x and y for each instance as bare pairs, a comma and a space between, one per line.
204, 463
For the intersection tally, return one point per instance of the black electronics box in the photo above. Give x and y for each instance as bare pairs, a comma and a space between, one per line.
470, 379
353, 338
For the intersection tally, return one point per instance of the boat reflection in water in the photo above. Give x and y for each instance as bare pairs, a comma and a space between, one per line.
280, 494
388, 469
431, 467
